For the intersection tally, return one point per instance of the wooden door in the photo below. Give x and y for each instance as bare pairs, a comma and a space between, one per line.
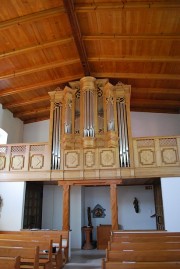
33, 205
159, 207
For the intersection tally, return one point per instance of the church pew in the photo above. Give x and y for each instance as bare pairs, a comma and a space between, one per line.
45, 248
54, 234
29, 256
10, 262
143, 246
143, 255
44, 243
139, 265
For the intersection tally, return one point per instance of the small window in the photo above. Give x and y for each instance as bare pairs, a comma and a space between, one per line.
3, 136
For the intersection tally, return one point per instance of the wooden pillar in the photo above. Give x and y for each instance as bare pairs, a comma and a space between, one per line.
114, 206
66, 207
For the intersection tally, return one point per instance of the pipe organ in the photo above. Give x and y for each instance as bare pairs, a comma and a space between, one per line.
91, 116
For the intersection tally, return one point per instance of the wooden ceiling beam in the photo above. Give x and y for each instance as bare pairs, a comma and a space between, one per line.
69, 5
132, 37
36, 86
26, 102
163, 91
38, 68
135, 59
31, 112
122, 5
159, 103
155, 110
44, 45
31, 17
136, 76
36, 119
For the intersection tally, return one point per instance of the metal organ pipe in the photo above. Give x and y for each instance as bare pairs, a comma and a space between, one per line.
56, 150
88, 114
68, 118
123, 133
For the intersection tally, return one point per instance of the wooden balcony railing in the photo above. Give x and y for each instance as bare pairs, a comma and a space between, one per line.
152, 156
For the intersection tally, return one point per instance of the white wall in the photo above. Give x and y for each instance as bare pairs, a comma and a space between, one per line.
171, 201
75, 213
13, 126
11, 213
142, 123
36, 132
52, 207
154, 124
133, 220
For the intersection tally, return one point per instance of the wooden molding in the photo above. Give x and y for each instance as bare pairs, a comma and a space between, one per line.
35, 47
32, 17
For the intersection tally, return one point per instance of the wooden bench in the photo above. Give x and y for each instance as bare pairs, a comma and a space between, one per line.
144, 236
45, 248
139, 265
54, 234
29, 256
143, 246
57, 259
10, 262
143, 251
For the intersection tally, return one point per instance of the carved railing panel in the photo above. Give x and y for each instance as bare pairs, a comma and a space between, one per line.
24, 157
157, 152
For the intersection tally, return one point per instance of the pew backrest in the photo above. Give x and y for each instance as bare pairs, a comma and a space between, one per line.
25, 253
10, 262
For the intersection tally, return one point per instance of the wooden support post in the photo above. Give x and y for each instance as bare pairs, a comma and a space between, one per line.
114, 206
66, 207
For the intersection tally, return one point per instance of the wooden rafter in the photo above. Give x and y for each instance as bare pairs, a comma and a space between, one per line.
155, 103
132, 37
31, 112
135, 59
77, 35
44, 45
126, 5
137, 76
32, 17
39, 68
36, 86
26, 102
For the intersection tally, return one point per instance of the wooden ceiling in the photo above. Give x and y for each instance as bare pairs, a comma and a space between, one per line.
44, 44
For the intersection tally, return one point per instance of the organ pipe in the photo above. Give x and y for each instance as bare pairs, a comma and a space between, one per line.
68, 117
123, 133
88, 114
110, 114
56, 137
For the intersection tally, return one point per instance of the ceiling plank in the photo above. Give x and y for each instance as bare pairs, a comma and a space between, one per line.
35, 119
155, 110
156, 90
132, 37
30, 112
155, 103
39, 68
31, 17
26, 102
135, 59
36, 86
137, 76
126, 5
69, 5
44, 45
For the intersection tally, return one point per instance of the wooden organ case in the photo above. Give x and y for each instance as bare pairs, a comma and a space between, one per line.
90, 130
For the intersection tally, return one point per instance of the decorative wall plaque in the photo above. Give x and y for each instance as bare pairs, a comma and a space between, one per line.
98, 212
